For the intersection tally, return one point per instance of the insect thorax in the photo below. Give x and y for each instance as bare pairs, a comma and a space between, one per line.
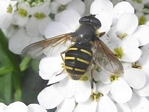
85, 33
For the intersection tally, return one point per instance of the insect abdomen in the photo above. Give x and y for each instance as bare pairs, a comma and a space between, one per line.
77, 60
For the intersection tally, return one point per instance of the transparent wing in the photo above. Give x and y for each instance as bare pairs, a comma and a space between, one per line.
105, 59
47, 47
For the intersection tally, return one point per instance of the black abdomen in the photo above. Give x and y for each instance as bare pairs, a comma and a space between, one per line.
77, 60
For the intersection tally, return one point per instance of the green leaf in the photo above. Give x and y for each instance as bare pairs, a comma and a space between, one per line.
13, 61
35, 65
25, 64
6, 88
5, 69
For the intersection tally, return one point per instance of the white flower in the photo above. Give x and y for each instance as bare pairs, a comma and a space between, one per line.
144, 64
58, 6
119, 23
21, 107
2, 107
102, 9
20, 17
122, 38
104, 104
87, 6
65, 24
38, 20
120, 87
123, 107
77, 5
138, 104
140, 7
78, 91
21, 39
67, 91
141, 34
111, 93
6, 11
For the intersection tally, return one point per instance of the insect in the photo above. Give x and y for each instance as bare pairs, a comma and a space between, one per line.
87, 49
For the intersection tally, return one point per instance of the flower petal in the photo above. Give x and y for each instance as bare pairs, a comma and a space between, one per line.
136, 81
131, 54
50, 97
19, 41
50, 66
63, 107
105, 104
82, 90
5, 21
120, 8
139, 104
57, 78
105, 20
77, 5
120, 91
102, 88
35, 108
32, 27
144, 91
66, 87
56, 28
73, 22
42, 24
104, 77
2, 107
16, 107
125, 20
88, 106
141, 34
101, 5
123, 107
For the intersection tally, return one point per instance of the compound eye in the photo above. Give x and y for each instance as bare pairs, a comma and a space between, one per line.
90, 19
84, 19
95, 22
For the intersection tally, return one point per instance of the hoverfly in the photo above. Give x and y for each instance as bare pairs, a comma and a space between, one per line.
87, 49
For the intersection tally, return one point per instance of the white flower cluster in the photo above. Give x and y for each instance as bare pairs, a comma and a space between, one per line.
127, 39
24, 22
141, 8
21, 107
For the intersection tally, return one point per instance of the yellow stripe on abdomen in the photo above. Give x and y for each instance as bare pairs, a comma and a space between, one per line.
73, 48
85, 51
83, 61
69, 68
79, 70
69, 58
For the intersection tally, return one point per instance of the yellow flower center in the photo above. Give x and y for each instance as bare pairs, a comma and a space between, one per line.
118, 52
95, 96
22, 12
39, 16
9, 8
114, 77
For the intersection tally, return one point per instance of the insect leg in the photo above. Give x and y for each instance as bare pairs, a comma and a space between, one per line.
100, 34
92, 78
62, 55
63, 65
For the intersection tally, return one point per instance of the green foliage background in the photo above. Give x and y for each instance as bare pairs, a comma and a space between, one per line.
19, 79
